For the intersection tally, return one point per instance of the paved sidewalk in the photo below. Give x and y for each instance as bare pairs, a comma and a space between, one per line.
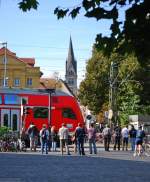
101, 153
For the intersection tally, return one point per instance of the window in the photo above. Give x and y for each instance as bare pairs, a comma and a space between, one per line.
14, 122
6, 120
40, 112
5, 58
0, 99
11, 99
6, 82
71, 81
71, 73
68, 113
29, 81
16, 82
24, 100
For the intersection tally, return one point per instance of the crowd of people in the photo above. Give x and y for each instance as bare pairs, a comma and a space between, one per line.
124, 136
50, 139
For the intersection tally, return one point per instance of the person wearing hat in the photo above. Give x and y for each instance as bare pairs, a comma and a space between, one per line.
63, 136
44, 137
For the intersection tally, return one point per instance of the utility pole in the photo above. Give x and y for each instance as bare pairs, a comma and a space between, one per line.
5, 62
113, 92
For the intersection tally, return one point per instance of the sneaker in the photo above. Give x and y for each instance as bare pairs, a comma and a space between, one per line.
134, 154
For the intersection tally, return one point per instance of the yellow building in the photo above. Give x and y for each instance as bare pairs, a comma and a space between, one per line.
18, 72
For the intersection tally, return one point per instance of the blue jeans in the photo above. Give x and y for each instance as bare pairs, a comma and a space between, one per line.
53, 146
132, 140
44, 145
80, 146
92, 142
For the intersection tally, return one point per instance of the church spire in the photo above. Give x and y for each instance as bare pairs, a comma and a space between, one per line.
71, 69
70, 52
71, 59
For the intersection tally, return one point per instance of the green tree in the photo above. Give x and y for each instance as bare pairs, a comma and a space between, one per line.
93, 90
130, 23
129, 87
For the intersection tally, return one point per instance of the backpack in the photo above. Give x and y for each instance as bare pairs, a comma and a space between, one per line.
106, 132
140, 134
117, 132
44, 135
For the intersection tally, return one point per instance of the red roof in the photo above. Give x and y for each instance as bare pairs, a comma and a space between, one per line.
30, 61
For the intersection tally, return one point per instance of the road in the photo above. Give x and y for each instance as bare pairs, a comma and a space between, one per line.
103, 167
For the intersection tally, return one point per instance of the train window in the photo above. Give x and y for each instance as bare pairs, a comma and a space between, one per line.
68, 113
40, 112
24, 100
0, 99
11, 99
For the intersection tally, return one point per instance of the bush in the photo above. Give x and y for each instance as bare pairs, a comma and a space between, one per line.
3, 131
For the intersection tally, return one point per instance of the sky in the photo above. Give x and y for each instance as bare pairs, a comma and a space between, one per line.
39, 34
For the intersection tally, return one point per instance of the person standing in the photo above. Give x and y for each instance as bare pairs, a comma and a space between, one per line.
125, 136
63, 136
140, 134
132, 134
80, 135
33, 136
107, 137
44, 137
53, 138
117, 135
92, 138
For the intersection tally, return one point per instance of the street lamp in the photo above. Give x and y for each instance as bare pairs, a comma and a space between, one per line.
50, 92
5, 62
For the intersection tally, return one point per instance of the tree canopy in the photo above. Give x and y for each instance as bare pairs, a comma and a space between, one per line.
130, 25
127, 85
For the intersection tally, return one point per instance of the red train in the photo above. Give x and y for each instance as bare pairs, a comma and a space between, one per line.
20, 107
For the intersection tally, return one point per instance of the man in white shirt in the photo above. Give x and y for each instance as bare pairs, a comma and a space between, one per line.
125, 135
63, 136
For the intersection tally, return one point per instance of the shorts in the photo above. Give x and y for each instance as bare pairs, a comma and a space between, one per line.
138, 141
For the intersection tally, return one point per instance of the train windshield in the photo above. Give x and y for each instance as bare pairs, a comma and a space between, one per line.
11, 99
68, 113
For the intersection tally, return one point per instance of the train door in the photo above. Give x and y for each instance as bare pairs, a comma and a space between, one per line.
10, 118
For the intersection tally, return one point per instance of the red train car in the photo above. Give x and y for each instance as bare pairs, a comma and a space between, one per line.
20, 107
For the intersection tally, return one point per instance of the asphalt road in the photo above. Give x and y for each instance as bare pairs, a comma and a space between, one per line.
104, 167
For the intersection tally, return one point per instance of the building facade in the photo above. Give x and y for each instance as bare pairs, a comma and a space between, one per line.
71, 70
18, 72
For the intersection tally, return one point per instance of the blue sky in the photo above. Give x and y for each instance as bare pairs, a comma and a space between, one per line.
40, 35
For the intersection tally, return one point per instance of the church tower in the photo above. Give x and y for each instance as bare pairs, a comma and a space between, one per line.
71, 70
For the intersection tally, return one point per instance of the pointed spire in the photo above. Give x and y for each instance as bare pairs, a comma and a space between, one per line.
70, 52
